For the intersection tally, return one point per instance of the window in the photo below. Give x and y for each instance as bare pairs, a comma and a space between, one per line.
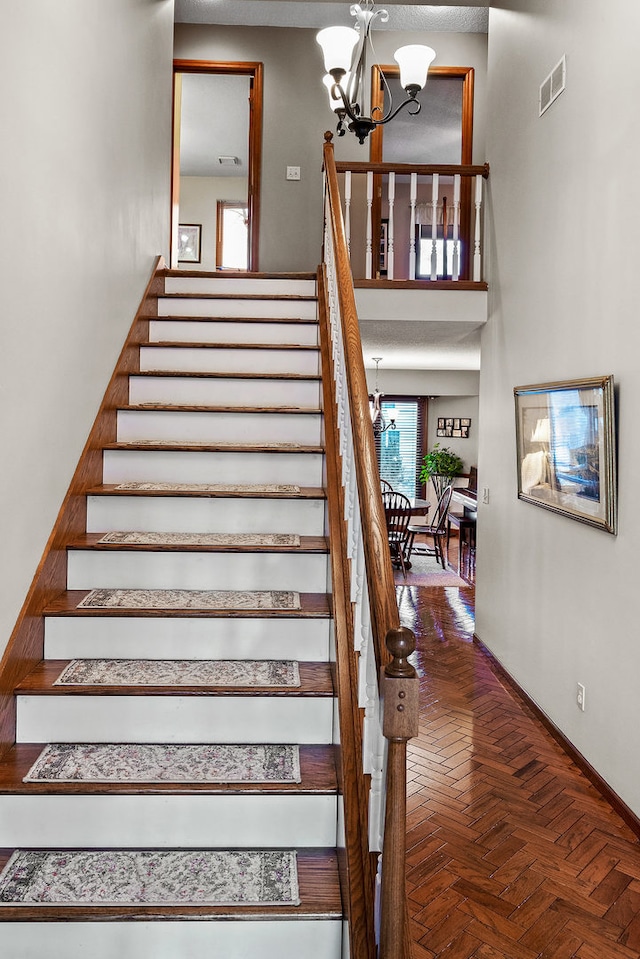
232, 240
444, 254
400, 451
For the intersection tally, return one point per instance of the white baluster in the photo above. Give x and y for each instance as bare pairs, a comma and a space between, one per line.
377, 793
371, 721
455, 271
362, 597
434, 226
347, 209
412, 226
368, 268
390, 250
476, 249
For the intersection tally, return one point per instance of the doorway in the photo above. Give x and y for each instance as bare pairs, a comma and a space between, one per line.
443, 130
217, 151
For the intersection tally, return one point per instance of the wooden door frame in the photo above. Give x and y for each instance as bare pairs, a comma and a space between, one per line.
254, 70
376, 139
393, 70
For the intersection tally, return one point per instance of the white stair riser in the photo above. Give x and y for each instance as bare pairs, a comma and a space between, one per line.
167, 821
232, 331
295, 309
201, 466
203, 514
174, 719
228, 939
96, 637
195, 359
226, 391
234, 284
148, 569
218, 427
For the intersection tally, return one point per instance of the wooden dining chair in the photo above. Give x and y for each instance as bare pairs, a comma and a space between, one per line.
397, 511
437, 530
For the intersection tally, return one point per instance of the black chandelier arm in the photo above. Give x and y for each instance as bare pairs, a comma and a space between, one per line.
405, 103
337, 91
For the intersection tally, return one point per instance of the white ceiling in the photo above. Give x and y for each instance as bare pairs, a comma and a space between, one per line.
404, 345
469, 16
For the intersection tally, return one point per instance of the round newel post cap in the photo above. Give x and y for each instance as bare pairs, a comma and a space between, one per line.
328, 136
401, 643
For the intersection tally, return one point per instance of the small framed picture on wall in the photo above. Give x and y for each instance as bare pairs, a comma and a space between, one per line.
189, 239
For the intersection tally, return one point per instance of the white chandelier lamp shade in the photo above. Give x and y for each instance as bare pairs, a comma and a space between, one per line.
337, 47
335, 103
414, 61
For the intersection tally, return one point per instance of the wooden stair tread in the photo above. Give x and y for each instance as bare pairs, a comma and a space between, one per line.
211, 447
237, 275
287, 297
315, 680
208, 345
110, 489
319, 898
201, 408
205, 374
317, 769
230, 319
313, 605
308, 544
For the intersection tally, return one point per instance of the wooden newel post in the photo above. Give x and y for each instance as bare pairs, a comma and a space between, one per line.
399, 689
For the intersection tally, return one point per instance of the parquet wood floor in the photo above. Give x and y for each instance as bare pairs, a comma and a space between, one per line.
511, 852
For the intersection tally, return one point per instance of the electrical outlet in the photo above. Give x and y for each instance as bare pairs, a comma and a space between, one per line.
580, 696
485, 495
293, 173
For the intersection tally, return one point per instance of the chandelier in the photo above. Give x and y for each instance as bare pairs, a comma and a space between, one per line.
345, 49
378, 421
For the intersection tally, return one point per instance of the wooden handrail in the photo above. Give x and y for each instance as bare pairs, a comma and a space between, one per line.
382, 593
391, 642
422, 169
358, 883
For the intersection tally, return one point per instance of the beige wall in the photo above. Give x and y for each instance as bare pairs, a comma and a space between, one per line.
84, 192
455, 406
556, 599
296, 115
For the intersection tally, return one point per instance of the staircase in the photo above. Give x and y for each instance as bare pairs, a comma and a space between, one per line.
228, 394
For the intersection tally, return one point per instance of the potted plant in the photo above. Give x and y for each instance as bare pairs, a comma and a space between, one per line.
440, 465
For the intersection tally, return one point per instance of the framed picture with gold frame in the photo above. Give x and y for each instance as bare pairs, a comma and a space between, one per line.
566, 449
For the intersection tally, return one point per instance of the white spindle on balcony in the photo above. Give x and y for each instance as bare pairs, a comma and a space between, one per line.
412, 226
368, 272
455, 266
476, 249
435, 186
347, 208
390, 227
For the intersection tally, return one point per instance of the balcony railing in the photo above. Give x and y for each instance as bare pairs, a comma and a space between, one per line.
414, 223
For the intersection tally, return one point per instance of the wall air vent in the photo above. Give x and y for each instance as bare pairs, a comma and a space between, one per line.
553, 85
229, 161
